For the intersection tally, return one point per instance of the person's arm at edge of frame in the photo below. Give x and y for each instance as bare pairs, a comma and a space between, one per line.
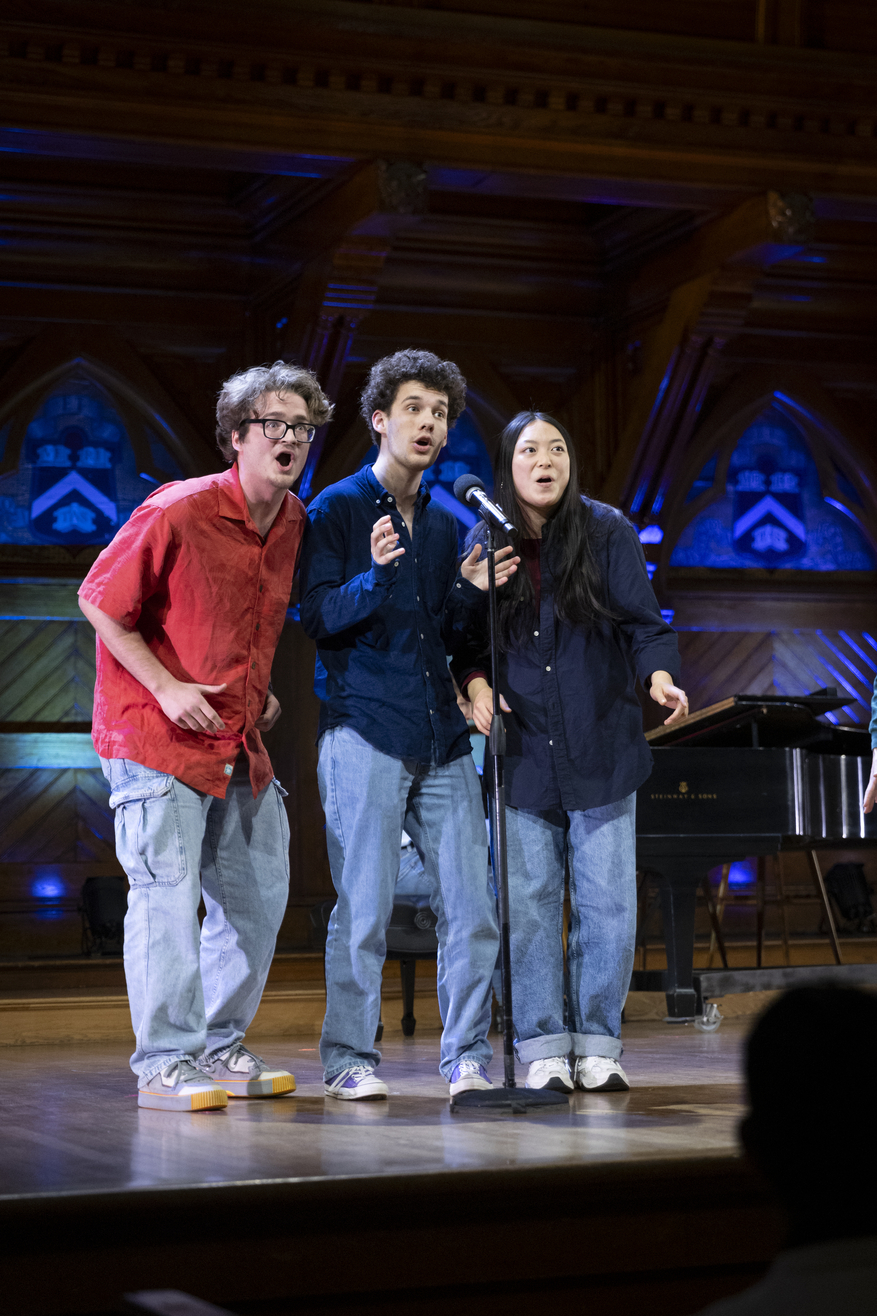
330, 603
182, 702
871, 789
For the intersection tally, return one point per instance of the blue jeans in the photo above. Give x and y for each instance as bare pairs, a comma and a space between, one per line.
192, 991
601, 847
368, 797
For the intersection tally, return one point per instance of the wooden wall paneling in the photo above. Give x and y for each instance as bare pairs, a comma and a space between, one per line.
47, 671
718, 664
59, 815
44, 824
826, 658
53, 600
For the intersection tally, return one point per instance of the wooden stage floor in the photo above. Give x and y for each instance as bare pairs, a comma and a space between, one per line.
651, 1178
72, 1123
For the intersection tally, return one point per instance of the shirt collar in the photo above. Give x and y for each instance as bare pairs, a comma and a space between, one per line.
382, 497
232, 503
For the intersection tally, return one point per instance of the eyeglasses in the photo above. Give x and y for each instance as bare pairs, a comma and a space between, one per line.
278, 429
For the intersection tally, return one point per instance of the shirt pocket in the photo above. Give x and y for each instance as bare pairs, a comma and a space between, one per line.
149, 833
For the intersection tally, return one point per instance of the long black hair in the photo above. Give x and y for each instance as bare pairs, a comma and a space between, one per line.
572, 531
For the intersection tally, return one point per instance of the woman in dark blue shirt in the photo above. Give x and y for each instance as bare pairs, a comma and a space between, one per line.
578, 627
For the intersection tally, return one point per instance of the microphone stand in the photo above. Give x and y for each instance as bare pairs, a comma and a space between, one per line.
509, 1097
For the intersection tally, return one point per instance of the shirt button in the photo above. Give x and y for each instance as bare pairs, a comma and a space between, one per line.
389, 500
535, 632
261, 587
396, 564
548, 669
428, 675
551, 742
258, 624
421, 635
418, 598
253, 665
459, 586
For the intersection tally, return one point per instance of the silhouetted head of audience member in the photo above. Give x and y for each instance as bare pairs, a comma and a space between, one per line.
811, 1067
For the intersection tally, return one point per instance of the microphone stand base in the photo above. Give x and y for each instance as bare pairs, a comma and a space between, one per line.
510, 1101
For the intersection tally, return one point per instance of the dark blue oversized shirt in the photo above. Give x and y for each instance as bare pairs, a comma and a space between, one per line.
574, 738
382, 639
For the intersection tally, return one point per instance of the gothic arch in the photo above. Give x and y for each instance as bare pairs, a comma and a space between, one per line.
832, 440
138, 396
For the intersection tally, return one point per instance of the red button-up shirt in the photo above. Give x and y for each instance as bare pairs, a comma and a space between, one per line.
190, 571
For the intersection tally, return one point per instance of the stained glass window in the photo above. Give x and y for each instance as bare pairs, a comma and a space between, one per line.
77, 479
773, 512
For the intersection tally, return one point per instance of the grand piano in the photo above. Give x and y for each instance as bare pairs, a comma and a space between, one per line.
750, 775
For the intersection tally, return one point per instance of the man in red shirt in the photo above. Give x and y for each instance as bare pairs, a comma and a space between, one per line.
188, 602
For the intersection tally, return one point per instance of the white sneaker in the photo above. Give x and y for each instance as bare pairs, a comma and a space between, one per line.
180, 1086
600, 1074
359, 1083
553, 1072
243, 1074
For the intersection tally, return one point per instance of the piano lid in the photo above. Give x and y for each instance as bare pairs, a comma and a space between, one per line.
767, 721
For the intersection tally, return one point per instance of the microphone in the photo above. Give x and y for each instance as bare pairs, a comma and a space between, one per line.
469, 489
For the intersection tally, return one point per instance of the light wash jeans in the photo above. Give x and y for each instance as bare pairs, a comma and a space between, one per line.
368, 797
195, 992
601, 847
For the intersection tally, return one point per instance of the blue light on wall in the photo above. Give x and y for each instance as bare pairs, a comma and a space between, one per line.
47, 888
773, 512
741, 874
651, 534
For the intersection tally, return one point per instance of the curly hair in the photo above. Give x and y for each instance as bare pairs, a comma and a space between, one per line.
240, 395
429, 370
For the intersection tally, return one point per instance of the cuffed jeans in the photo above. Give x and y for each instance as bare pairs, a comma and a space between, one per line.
368, 797
601, 847
194, 992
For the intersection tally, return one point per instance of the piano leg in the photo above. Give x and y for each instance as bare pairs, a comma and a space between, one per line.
407, 970
678, 893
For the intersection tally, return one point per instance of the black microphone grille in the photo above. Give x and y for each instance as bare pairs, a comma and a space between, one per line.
464, 483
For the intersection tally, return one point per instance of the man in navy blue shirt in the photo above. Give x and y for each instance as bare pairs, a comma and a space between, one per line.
378, 566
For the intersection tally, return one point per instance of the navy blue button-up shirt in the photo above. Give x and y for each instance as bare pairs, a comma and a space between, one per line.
381, 631
574, 738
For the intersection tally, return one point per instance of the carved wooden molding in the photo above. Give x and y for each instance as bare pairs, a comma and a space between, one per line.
496, 100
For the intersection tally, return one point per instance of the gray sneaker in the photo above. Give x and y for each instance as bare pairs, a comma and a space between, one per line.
180, 1086
242, 1074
